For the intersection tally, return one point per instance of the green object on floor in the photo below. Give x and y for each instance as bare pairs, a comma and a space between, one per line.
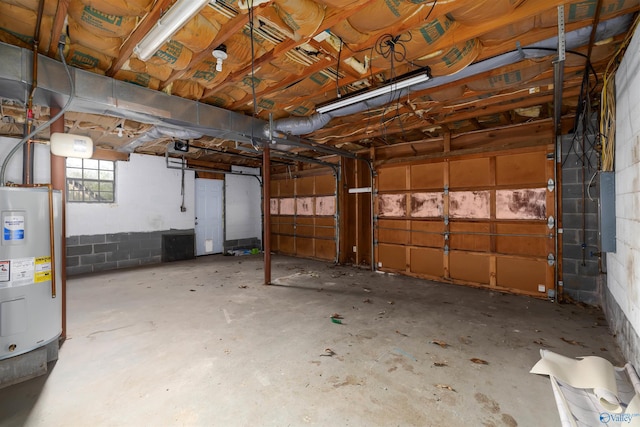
338, 321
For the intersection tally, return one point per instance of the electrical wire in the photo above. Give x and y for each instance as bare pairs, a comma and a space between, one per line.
72, 94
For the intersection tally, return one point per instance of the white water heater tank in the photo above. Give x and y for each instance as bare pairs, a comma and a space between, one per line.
30, 307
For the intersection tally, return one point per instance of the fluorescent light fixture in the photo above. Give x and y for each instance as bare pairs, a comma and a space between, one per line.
174, 19
390, 88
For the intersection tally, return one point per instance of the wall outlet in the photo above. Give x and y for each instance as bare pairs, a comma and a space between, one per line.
379, 264
355, 248
541, 288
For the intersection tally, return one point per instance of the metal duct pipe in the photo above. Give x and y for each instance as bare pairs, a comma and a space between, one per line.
159, 132
574, 39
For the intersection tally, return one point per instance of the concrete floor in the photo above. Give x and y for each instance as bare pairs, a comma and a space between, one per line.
204, 343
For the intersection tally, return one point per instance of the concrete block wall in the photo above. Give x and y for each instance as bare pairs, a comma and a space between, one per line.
623, 266
100, 252
248, 243
580, 244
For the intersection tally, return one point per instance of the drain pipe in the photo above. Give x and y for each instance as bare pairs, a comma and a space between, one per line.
27, 148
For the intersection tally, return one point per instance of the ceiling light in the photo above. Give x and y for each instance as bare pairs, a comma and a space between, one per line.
119, 128
220, 53
390, 88
167, 26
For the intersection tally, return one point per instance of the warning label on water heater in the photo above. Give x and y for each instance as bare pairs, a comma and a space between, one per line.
43, 269
13, 227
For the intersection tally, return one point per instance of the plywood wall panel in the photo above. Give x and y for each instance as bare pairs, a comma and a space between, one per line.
522, 274
427, 261
469, 267
517, 239
275, 188
393, 231
392, 257
286, 225
469, 173
470, 236
427, 176
427, 233
517, 169
325, 227
392, 179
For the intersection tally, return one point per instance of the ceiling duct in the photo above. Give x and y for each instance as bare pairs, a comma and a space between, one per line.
574, 39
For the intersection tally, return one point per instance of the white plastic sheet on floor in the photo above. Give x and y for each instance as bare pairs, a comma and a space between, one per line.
590, 391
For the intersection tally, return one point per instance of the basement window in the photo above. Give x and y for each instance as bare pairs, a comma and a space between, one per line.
90, 180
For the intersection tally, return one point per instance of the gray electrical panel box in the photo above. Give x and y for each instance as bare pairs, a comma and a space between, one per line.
608, 211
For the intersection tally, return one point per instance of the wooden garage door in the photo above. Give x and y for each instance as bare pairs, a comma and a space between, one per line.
303, 217
478, 220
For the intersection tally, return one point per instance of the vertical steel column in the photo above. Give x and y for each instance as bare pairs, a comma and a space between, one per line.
266, 206
58, 182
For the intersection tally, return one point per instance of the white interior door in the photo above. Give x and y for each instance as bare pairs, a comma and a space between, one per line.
209, 225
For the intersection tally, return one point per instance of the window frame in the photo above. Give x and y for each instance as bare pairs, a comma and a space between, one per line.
85, 178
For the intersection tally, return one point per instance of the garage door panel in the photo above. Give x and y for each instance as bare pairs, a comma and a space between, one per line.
393, 231
304, 247
325, 249
521, 273
286, 244
325, 184
469, 173
427, 261
527, 168
523, 239
392, 257
469, 267
470, 236
427, 176
304, 186
392, 179
427, 233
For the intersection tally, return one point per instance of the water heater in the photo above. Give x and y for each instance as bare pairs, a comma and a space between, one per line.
30, 300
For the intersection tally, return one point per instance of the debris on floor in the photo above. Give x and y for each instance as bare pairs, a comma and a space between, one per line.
590, 391
446, 387
440, 343
479, 361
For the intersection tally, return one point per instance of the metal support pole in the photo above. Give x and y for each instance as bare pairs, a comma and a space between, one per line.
266, 206
58, 182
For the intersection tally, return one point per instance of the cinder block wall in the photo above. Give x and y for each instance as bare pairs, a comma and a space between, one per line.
89, 254
580, 247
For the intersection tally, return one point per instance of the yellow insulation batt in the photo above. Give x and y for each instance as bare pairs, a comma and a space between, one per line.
174, 54
120, 7
101, 23
205, 73
585, 10
140, 79
452, 59
198, 33
384, 13
508, 32
473, 12
239, 45
429, 37
219, 100
347, 33
160, 72
86, 58
106, 45
187, 89
50, 6
301, 108
312, 84
247, 82
511, 75
289, 64
20, 23
271, 73
302, 16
